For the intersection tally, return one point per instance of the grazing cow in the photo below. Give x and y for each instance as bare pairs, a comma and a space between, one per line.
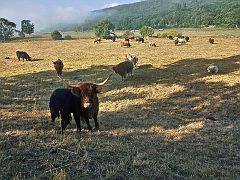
123, 68
187, 38
98, 40
132, 58
23, 55
140, 40
211, 40
125, 43
152, 44
80, 99
58, 65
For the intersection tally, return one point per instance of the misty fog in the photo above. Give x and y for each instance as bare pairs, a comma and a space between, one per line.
45, 14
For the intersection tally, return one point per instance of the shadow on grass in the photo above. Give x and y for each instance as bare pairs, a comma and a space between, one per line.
36, 59
198, 99
135, 130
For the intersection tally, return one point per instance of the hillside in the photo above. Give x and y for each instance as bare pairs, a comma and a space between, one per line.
169, 13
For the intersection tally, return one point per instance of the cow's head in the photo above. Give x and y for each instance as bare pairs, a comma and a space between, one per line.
87, 91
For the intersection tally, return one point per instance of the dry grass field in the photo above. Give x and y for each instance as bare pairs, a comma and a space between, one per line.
170, 120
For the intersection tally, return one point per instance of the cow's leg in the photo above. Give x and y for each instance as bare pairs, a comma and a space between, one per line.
124, 76
63, 125
96, 122
64, 120
53, 116
77, 120
88, 124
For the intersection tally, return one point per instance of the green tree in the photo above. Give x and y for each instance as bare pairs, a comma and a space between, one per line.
128, 34
104, 28
146, 31
7, 29
56, 35
27, 27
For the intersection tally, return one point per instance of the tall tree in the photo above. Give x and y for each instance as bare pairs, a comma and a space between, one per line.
27, 27
104, 28
6, 29
146, 31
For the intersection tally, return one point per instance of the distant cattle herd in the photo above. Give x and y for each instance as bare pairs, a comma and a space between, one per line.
80, 99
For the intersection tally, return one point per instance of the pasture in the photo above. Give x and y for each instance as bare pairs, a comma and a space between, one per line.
170, 120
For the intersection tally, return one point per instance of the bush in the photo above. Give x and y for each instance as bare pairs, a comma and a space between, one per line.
68, 37
128, 34
56, 35
172, 33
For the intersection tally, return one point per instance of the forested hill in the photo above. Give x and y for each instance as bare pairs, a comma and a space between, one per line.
170, 13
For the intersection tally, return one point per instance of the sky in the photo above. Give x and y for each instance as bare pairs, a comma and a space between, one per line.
44, 13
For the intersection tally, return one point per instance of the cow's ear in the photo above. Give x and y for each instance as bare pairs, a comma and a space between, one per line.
98, 89
76, 91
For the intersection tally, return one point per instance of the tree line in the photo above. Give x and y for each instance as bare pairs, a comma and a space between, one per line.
167, 14
8, 28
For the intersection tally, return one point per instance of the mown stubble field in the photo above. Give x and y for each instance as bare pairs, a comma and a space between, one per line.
152, 126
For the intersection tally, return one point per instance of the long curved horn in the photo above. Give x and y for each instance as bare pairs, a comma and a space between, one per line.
102, 83
68, 85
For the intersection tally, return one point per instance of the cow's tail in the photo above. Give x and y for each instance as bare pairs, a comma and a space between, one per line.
54, 108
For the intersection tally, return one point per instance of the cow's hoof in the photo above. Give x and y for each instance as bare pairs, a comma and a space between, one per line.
96, 129
89, 128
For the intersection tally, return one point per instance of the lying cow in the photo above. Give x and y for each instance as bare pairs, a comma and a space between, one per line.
98, 40
152, 44
179, 41
58, 65
123, 69
80, 99
140, 40
212, 69
23, 55
125, 43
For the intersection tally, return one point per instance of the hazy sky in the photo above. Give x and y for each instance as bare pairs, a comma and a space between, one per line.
43, 13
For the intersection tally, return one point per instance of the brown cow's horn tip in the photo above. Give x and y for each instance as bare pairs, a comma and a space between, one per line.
102, 83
